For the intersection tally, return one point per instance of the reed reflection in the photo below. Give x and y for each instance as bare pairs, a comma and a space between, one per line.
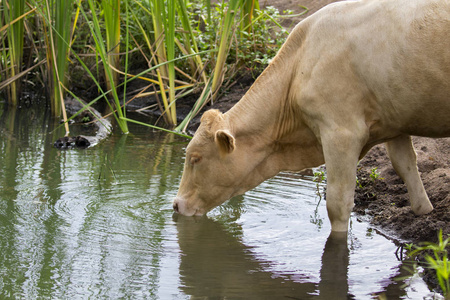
214, 263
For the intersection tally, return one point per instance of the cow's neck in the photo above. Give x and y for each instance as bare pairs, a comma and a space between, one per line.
267, 102
267, 118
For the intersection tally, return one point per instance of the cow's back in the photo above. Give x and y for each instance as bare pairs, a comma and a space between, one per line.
396, 53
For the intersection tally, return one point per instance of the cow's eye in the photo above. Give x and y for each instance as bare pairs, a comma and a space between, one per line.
195, 159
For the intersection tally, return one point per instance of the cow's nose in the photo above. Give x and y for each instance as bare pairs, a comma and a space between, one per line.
175, 206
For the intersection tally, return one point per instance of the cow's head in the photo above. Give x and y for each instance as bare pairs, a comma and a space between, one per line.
217, 167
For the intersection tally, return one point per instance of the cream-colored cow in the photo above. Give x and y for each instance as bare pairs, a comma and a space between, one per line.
353, 75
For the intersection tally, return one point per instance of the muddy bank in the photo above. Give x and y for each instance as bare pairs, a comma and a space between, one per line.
385, 200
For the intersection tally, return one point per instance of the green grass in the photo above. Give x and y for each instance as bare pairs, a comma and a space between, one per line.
436, 258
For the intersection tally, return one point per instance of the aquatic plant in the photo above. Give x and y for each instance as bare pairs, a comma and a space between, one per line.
249, 8
319, 178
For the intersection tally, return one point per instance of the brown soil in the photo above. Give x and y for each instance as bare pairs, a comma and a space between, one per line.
385, 199
384, 202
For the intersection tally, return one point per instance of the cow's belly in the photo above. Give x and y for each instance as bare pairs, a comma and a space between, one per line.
412, 115
432, 125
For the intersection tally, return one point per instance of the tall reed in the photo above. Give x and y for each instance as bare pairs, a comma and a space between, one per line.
227, 28
162, 46
12, 14
170, 42
189, 43
101, 49
249, 7
164, 37
226, 31
59, 15
111, 12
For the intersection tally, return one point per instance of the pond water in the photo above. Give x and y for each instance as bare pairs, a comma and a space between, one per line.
98, 224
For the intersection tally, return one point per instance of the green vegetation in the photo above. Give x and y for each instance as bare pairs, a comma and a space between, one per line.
175, 48
57, 24
375, 175
319, 178
367, 184
436, 258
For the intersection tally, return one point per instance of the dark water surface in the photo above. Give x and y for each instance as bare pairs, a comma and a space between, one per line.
98, 224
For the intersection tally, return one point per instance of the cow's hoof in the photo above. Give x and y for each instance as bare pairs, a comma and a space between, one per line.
423, 209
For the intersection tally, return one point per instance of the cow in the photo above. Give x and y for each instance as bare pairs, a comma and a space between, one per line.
352, 75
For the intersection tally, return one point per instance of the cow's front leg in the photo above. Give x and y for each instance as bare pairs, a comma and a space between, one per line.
341, 150
403, 158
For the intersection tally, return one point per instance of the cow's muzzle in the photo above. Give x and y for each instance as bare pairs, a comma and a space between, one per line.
175, 206
180, 206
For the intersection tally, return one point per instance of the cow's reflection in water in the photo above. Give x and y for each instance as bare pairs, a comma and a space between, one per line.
217, 265
333, 275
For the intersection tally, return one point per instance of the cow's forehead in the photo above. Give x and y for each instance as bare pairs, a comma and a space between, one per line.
200, 141
211, 122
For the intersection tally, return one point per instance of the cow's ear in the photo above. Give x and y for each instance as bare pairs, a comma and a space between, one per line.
225, 141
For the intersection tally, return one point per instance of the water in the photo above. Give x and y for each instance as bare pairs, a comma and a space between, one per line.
98, 224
